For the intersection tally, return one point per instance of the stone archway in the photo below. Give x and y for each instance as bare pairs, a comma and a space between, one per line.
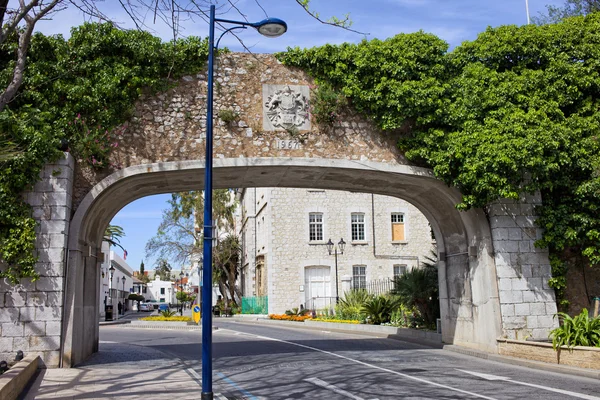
468, 289
493, 282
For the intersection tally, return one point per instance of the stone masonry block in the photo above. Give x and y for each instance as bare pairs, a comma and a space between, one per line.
526, 221
44, 343
514, 322
506, 272
51, 358
514, 234
540, 333
50, 255
502, 259
42, 212
500, 234
47, 284
519, 284
6, 345
511, 297
60, 184
538, 308
48, 314
15, 299
524, 246
538, 296
34, 199
504, 284
551, 308
53, 227
27, 314
21, 343
54, 299
547, 321
508, 310
502, 222
522, 309
59, 212
53, 328
2, 296
535, 283
10, 329
532, 322
56, 198
8, 314
50, 269
36, 299
35, 328
506, 246
526, 271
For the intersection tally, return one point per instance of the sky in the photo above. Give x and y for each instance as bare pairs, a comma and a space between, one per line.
455, 21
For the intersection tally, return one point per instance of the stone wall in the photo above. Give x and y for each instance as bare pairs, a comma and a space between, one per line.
527, 302
31, 312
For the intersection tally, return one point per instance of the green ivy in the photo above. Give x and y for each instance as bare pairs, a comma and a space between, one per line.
81, 91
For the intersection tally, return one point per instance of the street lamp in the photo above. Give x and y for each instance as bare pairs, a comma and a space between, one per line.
111, 271
330, 248
270, 27
123, 307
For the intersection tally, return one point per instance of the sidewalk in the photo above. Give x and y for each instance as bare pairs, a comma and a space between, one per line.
120, 371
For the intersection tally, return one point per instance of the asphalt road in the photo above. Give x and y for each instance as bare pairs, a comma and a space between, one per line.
258, 361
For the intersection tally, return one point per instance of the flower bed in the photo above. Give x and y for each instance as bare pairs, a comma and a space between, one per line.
285, 317
167, 319
339, 321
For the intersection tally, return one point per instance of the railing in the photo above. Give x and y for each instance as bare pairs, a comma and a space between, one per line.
379, 287
255, 305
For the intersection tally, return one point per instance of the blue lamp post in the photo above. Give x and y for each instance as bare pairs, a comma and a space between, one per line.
270, 27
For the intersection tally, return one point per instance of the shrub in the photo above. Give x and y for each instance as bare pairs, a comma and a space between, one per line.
297, 311
228, 116
351, 306
580, 330
379, 309
168, 313
170, 319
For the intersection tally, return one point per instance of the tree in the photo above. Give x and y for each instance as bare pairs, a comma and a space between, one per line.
163, 270
142, 270
179, 237
571, 8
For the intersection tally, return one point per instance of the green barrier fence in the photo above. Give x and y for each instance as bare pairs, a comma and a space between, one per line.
255, 305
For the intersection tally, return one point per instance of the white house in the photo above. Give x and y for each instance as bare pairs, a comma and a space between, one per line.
284, 234
161, 291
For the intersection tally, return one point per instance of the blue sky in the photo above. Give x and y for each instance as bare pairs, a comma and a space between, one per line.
454, 21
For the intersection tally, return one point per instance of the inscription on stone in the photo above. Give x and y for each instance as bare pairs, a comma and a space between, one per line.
285, 107
288, 144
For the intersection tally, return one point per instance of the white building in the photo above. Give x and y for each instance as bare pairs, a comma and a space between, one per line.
117, 290
284, 233
160, 291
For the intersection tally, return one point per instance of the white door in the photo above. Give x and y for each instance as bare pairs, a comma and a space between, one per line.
317, 287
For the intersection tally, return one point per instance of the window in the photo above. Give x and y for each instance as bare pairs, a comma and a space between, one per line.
162, 300
359, 277
398, 227
399, 270
162, 290
358, 227
315, 226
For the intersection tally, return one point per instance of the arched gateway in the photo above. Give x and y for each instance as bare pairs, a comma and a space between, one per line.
493, 282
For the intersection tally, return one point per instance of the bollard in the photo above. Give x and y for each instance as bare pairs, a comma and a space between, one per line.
596, 306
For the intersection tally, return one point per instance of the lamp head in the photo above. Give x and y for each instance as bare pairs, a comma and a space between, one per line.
341, 245
329, 246
123, 280
271, 27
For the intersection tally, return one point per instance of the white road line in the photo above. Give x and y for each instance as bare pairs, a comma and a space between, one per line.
333, 388
505, 379
374, 367
194, 374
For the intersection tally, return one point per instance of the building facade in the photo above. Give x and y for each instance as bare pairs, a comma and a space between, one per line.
116, 290
284, 234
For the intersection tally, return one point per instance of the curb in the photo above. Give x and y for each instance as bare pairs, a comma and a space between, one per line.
557, 368
16, 379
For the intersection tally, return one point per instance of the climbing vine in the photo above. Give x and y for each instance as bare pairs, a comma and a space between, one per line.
77, 92
515, 111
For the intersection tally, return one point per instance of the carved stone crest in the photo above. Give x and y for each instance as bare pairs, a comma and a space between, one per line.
286, 107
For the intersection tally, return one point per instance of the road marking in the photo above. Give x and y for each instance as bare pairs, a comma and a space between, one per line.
331, 387
194, 374
505, 379
373, 366
238, 387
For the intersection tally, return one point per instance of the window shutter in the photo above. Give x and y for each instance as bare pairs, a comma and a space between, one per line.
398, 232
